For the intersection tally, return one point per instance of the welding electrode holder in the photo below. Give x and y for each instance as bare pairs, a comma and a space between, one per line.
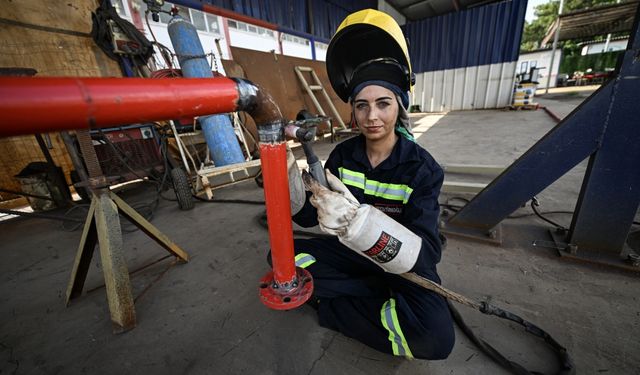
304, 130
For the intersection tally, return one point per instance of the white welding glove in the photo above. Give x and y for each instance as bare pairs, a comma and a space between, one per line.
296, 187
362, 227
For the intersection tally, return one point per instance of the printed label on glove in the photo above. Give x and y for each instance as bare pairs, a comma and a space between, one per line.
385, 249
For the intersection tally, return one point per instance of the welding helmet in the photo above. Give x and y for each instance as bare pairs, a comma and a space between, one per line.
368, 45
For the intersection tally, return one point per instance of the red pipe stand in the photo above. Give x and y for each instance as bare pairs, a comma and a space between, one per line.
287, 286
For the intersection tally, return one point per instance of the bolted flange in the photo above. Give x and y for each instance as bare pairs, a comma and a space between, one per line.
286, 296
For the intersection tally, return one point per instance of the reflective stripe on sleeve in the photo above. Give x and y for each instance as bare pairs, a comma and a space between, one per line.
390, 322
304, 260
395, 192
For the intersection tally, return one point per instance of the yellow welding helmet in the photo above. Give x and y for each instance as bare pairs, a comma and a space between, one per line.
368, 45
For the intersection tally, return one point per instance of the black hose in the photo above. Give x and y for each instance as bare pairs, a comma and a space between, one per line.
233, 201
534, 204
566, 363
455, 208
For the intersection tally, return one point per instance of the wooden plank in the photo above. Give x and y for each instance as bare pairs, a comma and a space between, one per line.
229, 168
83, 255
114, 267
148, 228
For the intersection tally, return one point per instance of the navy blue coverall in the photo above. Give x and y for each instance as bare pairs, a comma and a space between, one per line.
354, 295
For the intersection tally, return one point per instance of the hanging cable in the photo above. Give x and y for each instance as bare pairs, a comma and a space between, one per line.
160, 46
535, 203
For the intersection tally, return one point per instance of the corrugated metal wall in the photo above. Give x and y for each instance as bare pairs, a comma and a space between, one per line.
326, 15
467, 59
479, 36
473, 87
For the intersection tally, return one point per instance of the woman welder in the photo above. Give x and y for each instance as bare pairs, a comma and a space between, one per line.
382, 206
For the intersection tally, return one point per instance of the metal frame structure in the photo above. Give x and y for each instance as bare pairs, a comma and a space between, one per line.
604, 128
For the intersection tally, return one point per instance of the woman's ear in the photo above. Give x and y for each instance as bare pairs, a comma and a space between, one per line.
353, 124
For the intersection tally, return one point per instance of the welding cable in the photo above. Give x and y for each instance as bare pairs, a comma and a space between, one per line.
162, 48
237, 201
534, 204
565, 362
456, 208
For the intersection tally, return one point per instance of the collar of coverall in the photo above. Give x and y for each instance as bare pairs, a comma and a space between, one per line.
403, 151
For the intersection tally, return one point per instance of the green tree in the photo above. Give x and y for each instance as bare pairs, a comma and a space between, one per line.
546, 14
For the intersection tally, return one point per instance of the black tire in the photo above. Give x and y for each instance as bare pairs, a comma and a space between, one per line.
182, 189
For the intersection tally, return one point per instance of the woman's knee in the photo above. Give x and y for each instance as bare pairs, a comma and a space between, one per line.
434, 344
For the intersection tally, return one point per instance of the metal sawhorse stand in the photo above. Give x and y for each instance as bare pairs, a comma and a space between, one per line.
102, 227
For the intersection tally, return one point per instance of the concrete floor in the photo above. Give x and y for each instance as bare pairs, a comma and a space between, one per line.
204, 317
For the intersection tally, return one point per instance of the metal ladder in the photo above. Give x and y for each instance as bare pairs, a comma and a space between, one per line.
317, 86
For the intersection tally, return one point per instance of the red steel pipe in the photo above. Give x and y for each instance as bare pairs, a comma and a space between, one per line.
276, 190
39, 105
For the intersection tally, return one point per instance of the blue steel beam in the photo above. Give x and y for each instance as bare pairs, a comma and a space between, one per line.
605, 128
565, 146
610, 194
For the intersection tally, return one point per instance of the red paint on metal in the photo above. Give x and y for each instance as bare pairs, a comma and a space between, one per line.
237, 16
38, 105
287, 286
136, 17
276, 192
279, 299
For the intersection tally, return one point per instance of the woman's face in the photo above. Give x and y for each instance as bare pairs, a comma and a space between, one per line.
376, 110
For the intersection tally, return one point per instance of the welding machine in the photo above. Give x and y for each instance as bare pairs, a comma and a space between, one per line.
130, 152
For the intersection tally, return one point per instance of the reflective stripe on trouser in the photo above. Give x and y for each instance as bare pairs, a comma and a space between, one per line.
395, 192
353, 290
304, 260
390, 322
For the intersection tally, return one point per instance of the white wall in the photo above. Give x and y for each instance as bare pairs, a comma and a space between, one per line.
242, 36
476, 87
296, 49
321, 51
542, 59
252, 41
